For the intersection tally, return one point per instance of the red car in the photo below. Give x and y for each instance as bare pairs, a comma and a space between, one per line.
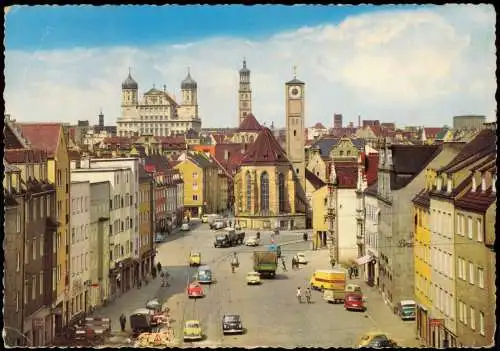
354, 301
195, 290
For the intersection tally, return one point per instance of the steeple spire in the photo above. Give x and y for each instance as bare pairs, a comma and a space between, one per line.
294, 71
244, 62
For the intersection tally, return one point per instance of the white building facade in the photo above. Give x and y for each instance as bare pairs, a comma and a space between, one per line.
158, 113
120, 232
347, 226
372, 218
99, 242
79, 247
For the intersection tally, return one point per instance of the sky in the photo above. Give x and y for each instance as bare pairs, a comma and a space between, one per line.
412, 65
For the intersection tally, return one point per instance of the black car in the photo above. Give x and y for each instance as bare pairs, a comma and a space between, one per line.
231, 324
221, 241
381, 341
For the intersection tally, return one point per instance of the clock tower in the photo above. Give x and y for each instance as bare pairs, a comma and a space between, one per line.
295, 142
244, 93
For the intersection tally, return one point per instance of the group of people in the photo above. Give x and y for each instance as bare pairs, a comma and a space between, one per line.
295, 263
307, 294
352, 271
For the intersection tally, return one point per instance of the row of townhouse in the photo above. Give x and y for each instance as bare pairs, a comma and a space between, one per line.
77, 233
37, 231
431, 216
206, 184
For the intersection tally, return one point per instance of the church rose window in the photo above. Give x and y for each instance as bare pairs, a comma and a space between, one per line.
264, 192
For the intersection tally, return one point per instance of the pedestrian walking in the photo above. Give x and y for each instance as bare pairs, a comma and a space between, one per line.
350, 272
308, 295
294, 263
283, 263
332, 262
158, 267
123, 322
299, 295
356, 271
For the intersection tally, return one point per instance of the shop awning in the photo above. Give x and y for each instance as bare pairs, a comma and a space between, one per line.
364, 260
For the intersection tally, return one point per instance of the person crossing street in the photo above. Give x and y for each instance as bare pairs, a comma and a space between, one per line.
308, 295
299, 295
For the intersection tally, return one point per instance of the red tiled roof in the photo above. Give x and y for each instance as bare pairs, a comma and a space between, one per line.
431, 132
422, 198
340, 132
42, 136
319, 126
347, 174
371, 168
250, 124
16, 156
235, 155
265, 149
315, 181
483, 144
476, 201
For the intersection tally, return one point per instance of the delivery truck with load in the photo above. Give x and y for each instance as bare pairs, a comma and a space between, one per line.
332, 282
265, 263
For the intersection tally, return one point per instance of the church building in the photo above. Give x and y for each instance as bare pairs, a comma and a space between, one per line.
270, 182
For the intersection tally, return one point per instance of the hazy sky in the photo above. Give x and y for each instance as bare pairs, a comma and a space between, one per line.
411, 65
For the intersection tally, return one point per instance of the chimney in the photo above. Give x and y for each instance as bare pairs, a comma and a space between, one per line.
483, 183
449, 185
474, 185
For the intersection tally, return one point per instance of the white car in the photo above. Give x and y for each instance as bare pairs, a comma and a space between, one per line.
185, 227
252, 241
301, 258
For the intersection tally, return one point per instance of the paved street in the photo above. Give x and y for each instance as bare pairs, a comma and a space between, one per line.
270, 312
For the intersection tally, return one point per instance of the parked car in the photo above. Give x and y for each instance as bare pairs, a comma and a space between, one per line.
253, 278
377, 340
406, 309
219, 224
159, 238
185, 227
354, 301
195, 290
231, 324
192, 330
301, 257
252, 241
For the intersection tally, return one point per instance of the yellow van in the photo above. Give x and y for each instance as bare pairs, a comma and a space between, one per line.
330, 279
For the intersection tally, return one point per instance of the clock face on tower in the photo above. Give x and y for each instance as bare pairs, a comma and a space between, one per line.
294, 92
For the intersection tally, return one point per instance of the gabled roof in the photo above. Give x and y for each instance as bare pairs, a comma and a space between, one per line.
408, 161
42, 136
219, 138
315, 181
483, 144
327, 143
21, 156
347, 174
250, 124
160, 162
264, 150
234, 153
319, 126
12, 138
476, 201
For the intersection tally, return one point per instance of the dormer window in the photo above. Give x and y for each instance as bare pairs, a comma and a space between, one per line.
483, 183
439, 184
474, 185
449, 185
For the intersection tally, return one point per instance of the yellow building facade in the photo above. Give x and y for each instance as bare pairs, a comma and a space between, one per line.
201, 184
320, 224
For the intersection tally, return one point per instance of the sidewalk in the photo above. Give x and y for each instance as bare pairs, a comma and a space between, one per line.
403, 332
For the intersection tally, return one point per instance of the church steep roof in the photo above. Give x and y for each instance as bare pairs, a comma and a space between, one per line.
250, 124
264, 150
